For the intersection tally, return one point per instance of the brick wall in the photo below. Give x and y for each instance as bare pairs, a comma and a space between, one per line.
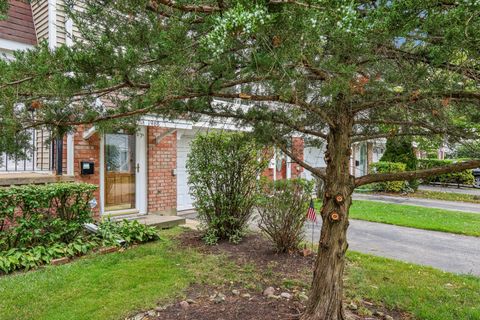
297, 150
162, 161
87, 150
296, 169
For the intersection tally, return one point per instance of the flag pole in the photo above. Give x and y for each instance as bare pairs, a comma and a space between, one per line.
313, 231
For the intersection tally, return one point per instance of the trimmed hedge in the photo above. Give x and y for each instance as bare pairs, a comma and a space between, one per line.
464, 177
389, 167
34, 215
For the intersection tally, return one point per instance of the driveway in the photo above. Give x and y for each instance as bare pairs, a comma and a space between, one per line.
445, 251
430, 203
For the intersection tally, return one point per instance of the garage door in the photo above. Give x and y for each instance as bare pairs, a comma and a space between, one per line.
184, 200
314, 157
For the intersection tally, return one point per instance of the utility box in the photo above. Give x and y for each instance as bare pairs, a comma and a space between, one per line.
87, 167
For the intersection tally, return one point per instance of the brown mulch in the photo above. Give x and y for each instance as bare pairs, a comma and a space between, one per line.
254, 248
240, 303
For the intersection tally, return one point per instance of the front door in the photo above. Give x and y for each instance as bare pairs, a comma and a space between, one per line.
119, 171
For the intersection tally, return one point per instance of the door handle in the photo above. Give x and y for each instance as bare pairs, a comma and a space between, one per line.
138, 167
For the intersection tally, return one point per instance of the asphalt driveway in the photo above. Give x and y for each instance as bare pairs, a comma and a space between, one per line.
445, 251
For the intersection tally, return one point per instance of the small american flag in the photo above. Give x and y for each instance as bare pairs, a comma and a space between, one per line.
311, 215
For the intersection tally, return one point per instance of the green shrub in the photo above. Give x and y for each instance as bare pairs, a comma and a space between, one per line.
464, 177
43, 214
223, 168
400, 150
389, 167
282, 208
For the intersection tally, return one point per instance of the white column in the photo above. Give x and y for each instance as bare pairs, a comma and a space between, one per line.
70, 155
275, 164
289, 167
101, 170
141, 170
52, 24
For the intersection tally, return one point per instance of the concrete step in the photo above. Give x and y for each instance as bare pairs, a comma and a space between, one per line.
162, 222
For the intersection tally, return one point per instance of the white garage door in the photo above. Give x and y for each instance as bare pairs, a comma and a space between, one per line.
314, 157
184, 200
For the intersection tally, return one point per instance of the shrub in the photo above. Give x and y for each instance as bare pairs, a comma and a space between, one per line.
400, 150
223, 170
43, 214
464, 177
282, 208
388, 167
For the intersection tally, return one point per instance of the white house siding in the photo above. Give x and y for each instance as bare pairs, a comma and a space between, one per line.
184, 200
40, 19
314, 157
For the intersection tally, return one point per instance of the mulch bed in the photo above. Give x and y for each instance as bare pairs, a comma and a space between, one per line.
238, 303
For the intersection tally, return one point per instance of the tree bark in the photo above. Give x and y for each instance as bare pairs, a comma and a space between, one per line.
325, 301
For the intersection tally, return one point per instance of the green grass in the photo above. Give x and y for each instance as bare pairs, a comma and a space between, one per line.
115, 285
448, 196
424, 194
417, 217
427, 293
105, 286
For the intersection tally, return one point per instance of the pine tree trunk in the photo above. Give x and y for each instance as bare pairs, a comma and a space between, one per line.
325, 301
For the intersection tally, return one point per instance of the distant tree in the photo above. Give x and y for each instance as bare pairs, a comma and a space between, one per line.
338, 71
400, 150
468, 150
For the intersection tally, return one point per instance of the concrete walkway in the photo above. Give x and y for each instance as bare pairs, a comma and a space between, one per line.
430, 203
445, 251
471, 191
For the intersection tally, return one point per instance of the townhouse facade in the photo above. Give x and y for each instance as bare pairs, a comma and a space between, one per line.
136, 173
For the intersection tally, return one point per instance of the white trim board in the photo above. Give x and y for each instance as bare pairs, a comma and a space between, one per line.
10, 45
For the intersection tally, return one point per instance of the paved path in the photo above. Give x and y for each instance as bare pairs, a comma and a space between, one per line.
445, 251
430, 203
471, 191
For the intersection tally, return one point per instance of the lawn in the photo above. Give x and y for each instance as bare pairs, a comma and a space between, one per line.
416, 217
427, 293
448, 196
115, 285
105, 286
425, 194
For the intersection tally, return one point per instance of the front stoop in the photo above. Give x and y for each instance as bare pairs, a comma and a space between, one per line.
154, 220
161, 222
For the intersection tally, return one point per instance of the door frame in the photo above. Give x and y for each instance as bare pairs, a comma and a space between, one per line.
140, 175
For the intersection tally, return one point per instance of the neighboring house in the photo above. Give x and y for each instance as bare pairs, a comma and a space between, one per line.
136, 174
363, 154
